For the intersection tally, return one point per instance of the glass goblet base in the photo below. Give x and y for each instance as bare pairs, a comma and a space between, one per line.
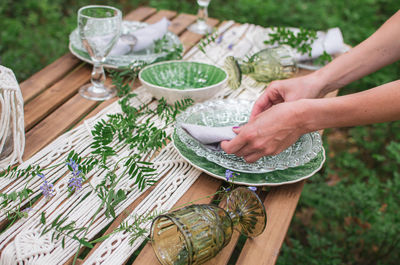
89, 91
200, 27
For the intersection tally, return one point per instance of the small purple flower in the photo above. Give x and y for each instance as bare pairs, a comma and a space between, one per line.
75, 167
228, 174
75, 183
41, 176
47, 188
252, 188
26, 210
219, 39
230, 46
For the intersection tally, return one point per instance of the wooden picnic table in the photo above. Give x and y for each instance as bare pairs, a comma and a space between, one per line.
53, 106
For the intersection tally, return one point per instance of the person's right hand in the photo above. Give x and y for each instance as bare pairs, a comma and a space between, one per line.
308, 86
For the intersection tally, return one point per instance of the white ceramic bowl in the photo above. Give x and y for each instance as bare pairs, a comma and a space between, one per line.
176, 80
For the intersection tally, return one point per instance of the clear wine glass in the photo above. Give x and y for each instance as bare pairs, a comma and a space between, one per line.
201, 26
99, 29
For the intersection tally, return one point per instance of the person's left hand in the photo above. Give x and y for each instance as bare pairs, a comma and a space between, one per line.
271, 132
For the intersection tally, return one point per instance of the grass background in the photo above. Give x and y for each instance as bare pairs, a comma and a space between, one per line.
349, 211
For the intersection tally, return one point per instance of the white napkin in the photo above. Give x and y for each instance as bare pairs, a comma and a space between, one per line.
331, 41
145, 37
210, 137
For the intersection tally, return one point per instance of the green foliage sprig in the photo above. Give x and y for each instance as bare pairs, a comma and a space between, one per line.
207, 40
172, 53
301, 41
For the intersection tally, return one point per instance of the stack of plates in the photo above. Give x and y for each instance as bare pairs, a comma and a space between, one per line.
298, 162
147, 55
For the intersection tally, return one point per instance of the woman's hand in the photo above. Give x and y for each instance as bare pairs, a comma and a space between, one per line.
309, 86
271, 132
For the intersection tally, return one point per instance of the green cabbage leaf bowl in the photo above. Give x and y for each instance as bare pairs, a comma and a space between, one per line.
176, 80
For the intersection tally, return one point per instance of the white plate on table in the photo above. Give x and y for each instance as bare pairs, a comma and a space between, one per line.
231, 112
147, 55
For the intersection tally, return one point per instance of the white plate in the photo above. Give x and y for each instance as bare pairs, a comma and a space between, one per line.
231, 112
147, 55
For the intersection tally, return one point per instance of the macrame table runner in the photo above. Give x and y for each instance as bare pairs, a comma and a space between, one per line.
22, 244
12, 131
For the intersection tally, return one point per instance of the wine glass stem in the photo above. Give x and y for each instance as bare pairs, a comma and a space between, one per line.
98, 76
235, 217
202, 15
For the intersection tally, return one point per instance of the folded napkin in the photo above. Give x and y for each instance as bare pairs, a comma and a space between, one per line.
210, 137
331, 41
145, 37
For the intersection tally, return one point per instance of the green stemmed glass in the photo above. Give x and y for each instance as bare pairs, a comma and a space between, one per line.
197, 233
264, 66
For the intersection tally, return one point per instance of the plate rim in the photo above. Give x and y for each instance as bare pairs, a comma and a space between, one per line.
180, 119
110, 66
246, 183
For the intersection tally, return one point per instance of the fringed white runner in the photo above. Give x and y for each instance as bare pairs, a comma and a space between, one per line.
12, 132
22, 243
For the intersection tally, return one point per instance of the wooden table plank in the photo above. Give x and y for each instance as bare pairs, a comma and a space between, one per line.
140, 13
181, 22
161, 14
57, 123
189, 39
56, 95
42, 79
280, 205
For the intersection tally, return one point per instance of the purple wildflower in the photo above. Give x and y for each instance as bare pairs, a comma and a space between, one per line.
75, 168
219, 39
75, 183
228, 174
230, 46
41, 176
252, 188
26, 210
47, 188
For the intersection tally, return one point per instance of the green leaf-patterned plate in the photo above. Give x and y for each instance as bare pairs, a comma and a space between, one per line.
274, 178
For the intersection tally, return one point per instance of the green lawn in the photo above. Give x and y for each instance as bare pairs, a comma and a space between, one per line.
349, 212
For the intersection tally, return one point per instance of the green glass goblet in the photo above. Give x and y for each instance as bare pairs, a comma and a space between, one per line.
264, 66
197, 233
